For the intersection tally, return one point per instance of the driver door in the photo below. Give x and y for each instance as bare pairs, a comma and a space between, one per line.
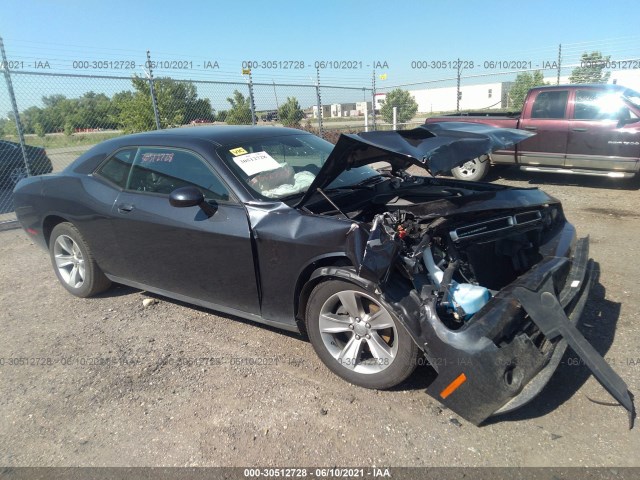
182, 250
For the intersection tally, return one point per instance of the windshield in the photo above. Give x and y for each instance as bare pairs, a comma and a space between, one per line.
282, 166
632, 96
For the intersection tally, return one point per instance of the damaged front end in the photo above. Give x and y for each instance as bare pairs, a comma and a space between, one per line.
489, 281
492, 302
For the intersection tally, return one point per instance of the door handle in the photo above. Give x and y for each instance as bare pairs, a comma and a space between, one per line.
579, 129
125, 208
533, 129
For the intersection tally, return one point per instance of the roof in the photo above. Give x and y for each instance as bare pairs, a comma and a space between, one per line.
608, 86
219, 134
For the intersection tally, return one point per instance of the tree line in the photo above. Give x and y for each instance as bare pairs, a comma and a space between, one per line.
179, 104
132, 111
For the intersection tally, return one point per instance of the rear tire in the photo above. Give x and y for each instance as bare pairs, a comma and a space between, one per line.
357, 338
74, 264
473, 170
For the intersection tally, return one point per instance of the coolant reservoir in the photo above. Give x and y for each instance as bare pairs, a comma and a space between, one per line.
469, 297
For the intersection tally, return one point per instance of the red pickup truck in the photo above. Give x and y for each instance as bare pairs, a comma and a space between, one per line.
580, 129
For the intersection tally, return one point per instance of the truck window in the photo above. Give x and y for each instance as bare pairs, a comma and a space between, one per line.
550, 104
599, 105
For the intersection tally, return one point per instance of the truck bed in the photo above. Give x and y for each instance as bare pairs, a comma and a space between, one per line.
485, 113
497, 120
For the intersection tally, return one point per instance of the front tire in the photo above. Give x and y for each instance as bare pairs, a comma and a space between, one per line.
74, 264
473, 170
357, 338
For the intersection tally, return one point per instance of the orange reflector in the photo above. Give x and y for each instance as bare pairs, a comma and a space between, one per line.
460, 379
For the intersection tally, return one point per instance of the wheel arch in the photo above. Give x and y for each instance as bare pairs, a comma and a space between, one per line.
391, 297
49, 223
313, 273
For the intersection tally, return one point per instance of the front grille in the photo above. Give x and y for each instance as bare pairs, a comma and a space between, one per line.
495, 225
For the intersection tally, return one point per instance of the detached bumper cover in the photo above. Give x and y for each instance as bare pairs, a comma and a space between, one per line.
496, 365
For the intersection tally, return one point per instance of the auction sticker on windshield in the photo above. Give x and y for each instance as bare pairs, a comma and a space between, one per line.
238, 151
257, 162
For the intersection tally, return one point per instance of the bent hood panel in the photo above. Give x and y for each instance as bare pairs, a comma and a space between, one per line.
436, 147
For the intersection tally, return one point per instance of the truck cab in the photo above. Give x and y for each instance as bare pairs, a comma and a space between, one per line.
590, 129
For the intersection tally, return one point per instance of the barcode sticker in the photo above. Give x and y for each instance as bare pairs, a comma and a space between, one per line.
257, 162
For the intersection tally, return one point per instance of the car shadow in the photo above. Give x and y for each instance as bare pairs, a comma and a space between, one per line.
116, 290
513, 173
119, 290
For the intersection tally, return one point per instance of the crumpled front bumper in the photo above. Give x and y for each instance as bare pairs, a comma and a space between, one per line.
512, 347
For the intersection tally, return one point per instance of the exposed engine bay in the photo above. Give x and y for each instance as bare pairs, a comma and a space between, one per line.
490, 279
466, 257
466, 261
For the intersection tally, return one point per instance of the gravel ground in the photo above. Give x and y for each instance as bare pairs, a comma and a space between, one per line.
109, 382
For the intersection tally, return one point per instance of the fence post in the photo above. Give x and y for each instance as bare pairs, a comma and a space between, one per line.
395, 117
14, 107
366, 117
319, 102
458, 92
275, 94
373, 101
154, 100
559, 62
251, 101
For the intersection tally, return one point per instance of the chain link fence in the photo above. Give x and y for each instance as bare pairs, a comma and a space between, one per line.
50, 118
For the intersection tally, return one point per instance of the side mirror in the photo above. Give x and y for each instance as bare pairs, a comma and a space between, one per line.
191, 197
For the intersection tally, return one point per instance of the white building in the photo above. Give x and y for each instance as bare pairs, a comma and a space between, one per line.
326, 111
361, 108
626, 78
342, 109
472, 97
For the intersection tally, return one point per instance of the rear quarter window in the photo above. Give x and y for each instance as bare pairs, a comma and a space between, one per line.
116, 168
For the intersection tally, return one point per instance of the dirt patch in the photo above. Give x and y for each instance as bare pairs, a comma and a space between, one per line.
618, 214
107, 381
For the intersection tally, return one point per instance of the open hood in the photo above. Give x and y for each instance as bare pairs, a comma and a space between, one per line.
436, 147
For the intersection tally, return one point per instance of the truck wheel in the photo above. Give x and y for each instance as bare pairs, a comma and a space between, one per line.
357, 338
473, 170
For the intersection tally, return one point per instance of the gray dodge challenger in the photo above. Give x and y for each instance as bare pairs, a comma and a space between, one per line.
382, 270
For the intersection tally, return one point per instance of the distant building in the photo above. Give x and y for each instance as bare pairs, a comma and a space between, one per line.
379, 100
361, 108
626, 78
326, 111
342, 109
486, 96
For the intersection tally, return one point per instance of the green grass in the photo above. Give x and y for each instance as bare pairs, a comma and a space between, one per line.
60, 140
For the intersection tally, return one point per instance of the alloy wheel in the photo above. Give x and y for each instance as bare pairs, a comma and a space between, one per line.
358, 332
69, 261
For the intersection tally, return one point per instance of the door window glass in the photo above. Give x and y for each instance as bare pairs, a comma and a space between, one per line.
599, 105
550, 104
162, 170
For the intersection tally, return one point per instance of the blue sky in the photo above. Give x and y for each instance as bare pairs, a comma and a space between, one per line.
397, 32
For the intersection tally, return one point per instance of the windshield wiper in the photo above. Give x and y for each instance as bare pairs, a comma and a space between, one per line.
291, 196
